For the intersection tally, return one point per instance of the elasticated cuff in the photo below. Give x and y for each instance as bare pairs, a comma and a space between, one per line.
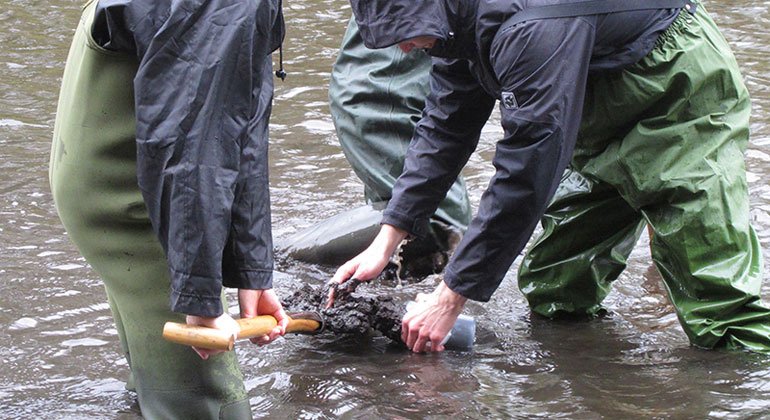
467, 289
250, 279
416, 227
193, 304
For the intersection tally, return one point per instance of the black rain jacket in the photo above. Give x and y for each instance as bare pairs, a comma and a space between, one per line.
538, 70
202, 100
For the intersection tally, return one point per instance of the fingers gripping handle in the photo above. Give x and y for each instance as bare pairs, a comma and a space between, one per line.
212, 338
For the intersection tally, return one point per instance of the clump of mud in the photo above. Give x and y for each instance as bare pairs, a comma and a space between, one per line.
361, 312
353, 312
417, 258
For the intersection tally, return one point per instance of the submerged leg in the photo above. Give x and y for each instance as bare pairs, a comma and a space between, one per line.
680, 164
588, 233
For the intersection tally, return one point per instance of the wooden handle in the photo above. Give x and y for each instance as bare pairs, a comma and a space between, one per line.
211, 338
191, 335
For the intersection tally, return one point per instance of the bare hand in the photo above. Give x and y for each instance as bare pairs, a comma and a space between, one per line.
369, 263
263, 302
432, 319
223, 322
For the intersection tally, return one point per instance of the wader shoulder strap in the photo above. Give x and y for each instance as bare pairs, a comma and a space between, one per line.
594, 7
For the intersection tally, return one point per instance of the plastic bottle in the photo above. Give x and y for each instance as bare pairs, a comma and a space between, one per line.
461, 336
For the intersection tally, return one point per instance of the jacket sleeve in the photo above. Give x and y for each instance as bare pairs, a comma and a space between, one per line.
542, 67
198, 99
456, 110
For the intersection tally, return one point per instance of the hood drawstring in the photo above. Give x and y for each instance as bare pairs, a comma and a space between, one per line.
280, 73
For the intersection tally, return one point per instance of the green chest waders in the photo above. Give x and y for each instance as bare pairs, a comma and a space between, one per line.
672, 159
94, 183
376, 99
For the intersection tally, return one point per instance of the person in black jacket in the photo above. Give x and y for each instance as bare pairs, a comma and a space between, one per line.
159, 175
618, 115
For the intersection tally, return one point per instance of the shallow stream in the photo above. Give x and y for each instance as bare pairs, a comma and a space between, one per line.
59, 352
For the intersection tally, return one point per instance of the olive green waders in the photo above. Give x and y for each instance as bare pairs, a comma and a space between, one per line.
661, 142
377, 97
94, 183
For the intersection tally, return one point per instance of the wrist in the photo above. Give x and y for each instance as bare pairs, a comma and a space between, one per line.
449, 297
388, 240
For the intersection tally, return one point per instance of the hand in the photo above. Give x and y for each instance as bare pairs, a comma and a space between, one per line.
263, 302
369, 263
432, 319
223, 322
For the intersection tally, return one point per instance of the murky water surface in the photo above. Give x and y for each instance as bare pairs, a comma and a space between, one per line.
59, 353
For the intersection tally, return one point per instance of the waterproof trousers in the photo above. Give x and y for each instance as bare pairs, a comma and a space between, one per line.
661, 143
94, 183
377, 97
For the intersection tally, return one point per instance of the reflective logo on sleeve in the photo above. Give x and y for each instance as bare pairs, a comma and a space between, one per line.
509, 101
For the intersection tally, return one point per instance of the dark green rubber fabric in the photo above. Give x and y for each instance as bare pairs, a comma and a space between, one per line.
94, 184
661, 142
377, 97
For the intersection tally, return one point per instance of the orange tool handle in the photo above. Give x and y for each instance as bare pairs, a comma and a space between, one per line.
211, 338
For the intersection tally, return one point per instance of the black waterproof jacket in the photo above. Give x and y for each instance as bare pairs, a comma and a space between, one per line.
538, 70
202, 101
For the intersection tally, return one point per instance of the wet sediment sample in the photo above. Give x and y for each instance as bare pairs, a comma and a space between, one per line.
353, 312
417, 258
365, 311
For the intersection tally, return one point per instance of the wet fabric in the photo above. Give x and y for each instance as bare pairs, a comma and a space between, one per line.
544, 72
674, 159
376, 99
93, 181
470, 28
538, 70
201, 136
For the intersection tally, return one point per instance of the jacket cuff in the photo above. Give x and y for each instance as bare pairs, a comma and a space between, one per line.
251, 279
416, 227
467, 289
196, 295
195, 304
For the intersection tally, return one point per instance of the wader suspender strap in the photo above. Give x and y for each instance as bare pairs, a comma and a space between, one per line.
594, 7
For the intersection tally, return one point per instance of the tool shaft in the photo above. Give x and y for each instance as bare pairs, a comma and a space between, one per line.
211, 338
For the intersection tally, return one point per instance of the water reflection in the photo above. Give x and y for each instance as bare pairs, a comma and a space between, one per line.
60, 354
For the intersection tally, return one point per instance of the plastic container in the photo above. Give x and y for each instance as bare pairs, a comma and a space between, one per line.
461, 336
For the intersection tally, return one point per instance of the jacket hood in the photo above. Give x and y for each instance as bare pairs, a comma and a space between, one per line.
383, 23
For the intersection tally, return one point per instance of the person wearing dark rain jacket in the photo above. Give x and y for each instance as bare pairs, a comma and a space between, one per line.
613, 119
159, 174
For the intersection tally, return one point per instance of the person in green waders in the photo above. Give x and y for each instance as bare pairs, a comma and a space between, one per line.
376, 98
616, 115
159, 174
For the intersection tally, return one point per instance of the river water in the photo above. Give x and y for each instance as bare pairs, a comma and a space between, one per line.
59, 352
